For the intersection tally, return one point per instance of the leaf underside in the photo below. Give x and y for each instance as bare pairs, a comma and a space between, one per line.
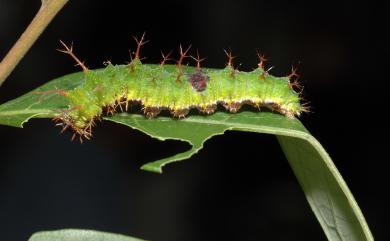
325, 189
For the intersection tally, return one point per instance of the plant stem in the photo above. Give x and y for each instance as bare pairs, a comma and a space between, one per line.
46, 13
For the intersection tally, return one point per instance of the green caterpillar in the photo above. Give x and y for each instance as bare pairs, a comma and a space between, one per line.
176, 88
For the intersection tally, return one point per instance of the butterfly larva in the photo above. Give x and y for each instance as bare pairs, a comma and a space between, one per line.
176, 88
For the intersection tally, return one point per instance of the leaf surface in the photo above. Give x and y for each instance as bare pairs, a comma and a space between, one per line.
325, 189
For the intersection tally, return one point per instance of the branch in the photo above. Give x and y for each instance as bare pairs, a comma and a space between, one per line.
46, 13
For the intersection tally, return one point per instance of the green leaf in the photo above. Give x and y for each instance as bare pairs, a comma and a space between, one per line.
196, 129
40, 103
325, 189
79, 235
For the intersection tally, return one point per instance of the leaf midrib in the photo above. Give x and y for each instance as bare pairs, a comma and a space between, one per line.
25, 111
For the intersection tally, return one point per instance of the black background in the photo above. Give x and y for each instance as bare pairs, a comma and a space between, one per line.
240, 186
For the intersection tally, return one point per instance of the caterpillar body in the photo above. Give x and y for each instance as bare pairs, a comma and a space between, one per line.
176, 88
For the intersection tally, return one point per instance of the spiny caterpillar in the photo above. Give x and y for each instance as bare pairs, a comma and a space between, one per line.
176, 88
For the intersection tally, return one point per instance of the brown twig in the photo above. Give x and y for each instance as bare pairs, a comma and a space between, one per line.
46, 13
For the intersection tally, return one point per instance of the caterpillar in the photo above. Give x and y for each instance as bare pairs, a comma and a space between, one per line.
176, 88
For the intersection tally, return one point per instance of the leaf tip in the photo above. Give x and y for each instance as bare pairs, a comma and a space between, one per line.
152, 168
